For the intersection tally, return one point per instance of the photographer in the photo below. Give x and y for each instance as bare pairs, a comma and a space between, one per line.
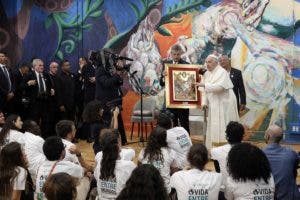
108, 85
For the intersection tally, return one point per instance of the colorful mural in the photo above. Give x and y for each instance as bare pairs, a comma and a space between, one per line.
262, 37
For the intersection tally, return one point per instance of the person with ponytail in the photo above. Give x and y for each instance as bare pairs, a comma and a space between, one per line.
111, 172
10, 131
158, 154
197, 183
14, 177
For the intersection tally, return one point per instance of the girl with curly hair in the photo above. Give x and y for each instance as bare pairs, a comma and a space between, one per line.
249, 174
158, 154
144, 183
111, 172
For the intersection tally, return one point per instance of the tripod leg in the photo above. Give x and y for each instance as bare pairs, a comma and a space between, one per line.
146, 130
132, 127
139, 128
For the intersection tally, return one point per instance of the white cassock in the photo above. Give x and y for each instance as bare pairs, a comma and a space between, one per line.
221, 101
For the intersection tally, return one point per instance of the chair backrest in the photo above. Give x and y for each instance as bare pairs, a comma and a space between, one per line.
148, 104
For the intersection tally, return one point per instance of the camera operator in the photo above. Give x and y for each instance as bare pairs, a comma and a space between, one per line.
108, 86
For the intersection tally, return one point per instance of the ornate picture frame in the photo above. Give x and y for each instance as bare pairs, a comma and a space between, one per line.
180, 91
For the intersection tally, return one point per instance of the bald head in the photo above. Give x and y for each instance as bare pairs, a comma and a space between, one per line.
274, 133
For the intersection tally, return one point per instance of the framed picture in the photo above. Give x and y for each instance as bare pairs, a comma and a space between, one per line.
179, 85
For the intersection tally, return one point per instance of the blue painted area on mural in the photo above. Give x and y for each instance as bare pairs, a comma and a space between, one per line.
11, 7
292, 133
296, 73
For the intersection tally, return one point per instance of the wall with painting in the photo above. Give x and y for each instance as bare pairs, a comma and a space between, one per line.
262, 37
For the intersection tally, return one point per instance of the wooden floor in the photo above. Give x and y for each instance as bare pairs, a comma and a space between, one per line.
89, 156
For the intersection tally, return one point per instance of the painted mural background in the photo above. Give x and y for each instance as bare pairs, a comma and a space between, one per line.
262, 37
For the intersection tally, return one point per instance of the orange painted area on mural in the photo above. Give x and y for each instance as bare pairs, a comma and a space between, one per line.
177, 29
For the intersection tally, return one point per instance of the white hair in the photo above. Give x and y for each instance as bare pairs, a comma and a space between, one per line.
213, 56
36, 61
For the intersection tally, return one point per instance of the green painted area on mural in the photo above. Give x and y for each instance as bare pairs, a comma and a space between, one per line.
70, 30
259, 134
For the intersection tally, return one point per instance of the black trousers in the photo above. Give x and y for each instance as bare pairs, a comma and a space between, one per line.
181, 115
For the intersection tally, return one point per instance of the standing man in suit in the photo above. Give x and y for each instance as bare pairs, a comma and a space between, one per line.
89, 78
181, 114
6, 85
237, 80
37, 88
18, 75
66, 92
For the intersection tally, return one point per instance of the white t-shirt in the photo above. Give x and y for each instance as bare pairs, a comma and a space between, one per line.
110, 189
34, 152
179, 140
70, 157
14, 136
249, 190
20, 180
196, 184
220, 154
61, 166
164, 168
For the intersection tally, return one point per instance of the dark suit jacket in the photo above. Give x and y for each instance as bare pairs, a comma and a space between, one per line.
18, 79
238, 85
4, 88
162, 78
32, 91
66, 91
108, 86
89, 71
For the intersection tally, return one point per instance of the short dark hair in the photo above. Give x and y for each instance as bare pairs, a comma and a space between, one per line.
198, 156
31, 127
63, 62
234, 132
25, 64
64, 127
164, 121
53, 147
60, 186
248, 162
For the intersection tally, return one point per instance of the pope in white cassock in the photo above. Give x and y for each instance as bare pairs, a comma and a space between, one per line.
219, 98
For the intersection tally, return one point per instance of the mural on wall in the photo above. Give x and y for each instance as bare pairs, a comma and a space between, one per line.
262, 37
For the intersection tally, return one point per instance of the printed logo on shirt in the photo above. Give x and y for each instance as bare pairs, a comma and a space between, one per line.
262, 194
109, 186
41, 182
183, 141
198, 192
158, 164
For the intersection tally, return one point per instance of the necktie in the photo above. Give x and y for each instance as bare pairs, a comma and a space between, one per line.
42, 85
6, 74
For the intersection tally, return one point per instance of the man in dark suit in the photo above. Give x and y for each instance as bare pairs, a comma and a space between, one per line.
6, 85
66, 93
18, 75
108, 91
237, 80
89, 77
180, 114
37, 88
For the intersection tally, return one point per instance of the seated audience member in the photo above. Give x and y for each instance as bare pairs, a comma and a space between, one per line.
33, 146
125, 153
158, 154
11, 130
249, 174
178, 138
145, 182
14, 179
2, 119
234, 135
284, 163
54, 151
197, 183
60, 186
111, 172
92, 116
66, 130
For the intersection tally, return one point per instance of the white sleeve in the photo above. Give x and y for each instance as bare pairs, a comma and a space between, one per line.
229, 189
213, 88
173, 180
20, 180
127, 154
141, 156
213, 154
174, 157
